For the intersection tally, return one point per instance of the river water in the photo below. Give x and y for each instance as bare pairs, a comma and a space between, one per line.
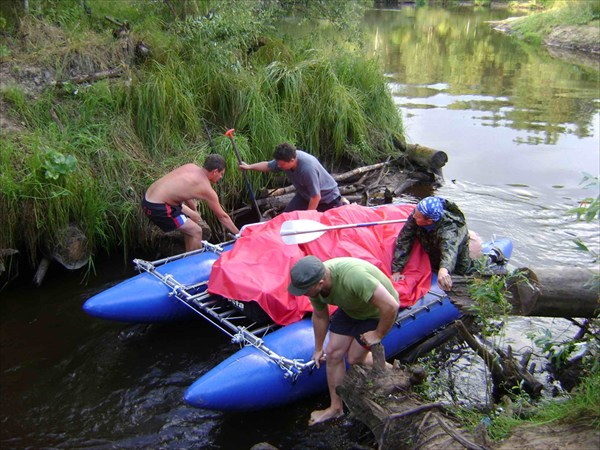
520, 128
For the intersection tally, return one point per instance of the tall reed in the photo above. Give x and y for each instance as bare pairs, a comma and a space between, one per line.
87, 153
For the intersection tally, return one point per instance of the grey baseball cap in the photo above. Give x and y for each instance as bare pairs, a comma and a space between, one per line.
307, 272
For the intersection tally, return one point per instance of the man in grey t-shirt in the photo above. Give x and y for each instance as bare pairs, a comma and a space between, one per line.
315, 187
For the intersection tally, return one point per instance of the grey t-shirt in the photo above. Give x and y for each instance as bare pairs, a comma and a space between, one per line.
309, 178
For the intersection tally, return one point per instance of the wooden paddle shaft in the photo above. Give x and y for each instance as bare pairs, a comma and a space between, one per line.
229, 134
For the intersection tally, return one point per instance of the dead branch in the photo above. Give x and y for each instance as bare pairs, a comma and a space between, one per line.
506, 372
92, 77
360, 170
378, 357
56, 120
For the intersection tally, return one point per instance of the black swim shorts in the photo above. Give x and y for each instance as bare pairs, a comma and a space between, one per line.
166, 217
342, 323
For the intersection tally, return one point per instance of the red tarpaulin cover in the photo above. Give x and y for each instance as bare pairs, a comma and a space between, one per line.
258, 266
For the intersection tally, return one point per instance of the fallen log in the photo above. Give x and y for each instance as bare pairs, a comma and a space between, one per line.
383, 401
545, 292
444, 335
425, 157
358, 171
555, 292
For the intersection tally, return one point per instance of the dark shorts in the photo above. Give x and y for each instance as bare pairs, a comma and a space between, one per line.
299, 204
342, 323
166, 217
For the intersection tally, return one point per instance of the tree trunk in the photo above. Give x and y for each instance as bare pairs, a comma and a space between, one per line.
555, 292
426, 157
545, 292
382, 400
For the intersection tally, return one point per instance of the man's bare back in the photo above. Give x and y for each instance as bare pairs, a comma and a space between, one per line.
180, 189
184, 183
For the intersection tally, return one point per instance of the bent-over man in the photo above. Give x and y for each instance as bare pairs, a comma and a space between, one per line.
441, 228
367, 308
315, 187
171, 201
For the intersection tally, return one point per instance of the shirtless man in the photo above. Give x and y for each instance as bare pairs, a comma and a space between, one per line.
171, 202
367, 307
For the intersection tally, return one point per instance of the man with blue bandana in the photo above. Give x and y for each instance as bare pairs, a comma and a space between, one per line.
441, 228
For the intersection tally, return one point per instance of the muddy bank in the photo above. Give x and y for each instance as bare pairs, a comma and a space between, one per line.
552, 436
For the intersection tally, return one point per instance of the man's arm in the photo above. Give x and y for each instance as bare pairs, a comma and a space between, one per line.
450, 240
192, 213
262, 166
320, 321
213, 203
388, 310
449, 245
404, 244
314, 201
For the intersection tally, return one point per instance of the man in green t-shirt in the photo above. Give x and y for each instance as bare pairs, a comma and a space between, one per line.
367, 308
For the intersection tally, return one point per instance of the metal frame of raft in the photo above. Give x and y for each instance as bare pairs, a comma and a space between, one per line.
222, 313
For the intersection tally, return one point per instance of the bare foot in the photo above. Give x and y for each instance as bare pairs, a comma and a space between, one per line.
324, 415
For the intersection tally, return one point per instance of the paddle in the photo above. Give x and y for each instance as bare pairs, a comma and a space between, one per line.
304, 230
229, 134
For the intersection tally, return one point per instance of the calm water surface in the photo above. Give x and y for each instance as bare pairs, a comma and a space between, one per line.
520, 129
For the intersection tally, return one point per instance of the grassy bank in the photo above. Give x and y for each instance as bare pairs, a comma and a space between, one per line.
576, 15
83, 153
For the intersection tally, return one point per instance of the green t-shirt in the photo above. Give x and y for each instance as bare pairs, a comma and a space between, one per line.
353, 284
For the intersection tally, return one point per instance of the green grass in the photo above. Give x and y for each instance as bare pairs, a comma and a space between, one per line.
109, 140
580, 407
533, 28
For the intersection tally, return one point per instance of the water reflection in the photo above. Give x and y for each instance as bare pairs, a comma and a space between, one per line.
520, 129
486, 99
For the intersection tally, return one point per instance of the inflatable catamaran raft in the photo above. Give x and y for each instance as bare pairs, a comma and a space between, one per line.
241, 288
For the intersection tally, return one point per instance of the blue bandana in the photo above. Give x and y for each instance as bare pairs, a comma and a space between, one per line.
431, 207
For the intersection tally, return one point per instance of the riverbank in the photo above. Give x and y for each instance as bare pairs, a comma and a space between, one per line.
94, 108
580, 38
572, 26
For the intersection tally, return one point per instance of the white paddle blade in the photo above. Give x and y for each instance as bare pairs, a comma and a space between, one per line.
300, 231
290, 239
305, 230
300, 226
